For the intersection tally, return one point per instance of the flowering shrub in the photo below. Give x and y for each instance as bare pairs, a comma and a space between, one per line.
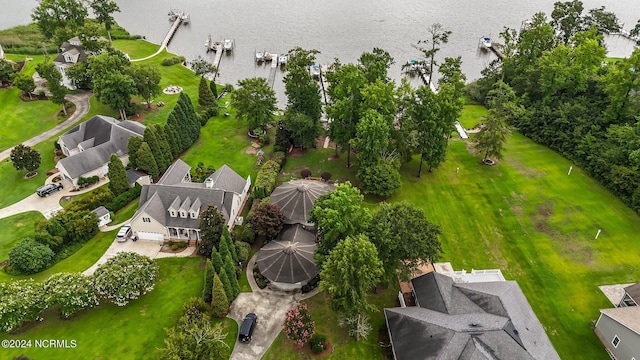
20, 301
125, 277
298, 325
71, 291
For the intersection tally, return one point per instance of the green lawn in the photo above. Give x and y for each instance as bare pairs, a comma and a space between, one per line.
472, 115
318, 161
126, 212
21, 226
326, 322
134, 331
136, 49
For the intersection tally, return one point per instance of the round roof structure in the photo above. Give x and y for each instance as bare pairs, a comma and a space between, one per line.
289, 258
295, 198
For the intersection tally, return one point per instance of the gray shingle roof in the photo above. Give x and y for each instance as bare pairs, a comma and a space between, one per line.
134, 175
295, 198
634, 292
486, 320
100, 211
100, 136
289, 258
227, 179
175, 173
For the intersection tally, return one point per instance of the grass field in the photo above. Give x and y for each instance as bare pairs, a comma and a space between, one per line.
134, 331
21, 226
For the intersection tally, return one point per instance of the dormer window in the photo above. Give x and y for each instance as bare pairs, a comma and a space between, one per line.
172, 213
183, 214
194, 215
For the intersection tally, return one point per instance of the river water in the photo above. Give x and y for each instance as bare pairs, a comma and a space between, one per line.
337, 28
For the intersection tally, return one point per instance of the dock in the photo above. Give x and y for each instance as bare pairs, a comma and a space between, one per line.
273, 71
324, 85
425, 80
178, 18
495, 47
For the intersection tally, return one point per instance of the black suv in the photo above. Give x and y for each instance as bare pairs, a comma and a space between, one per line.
46, 190
246, 329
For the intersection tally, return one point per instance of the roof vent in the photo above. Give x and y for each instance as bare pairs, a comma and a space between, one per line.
208, 183
475, 325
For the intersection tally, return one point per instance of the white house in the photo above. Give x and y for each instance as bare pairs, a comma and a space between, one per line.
70, 53
104, 216
89, 146
170, 209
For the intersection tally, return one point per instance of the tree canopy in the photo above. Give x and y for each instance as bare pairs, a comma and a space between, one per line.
255, 102
25, 157
211, 228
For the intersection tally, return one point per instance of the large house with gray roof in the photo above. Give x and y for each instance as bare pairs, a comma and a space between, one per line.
71, 53
619, 328
170, 209
89, 146
475, 320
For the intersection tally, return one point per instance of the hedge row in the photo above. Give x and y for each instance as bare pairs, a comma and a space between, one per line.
266, 179
123, 199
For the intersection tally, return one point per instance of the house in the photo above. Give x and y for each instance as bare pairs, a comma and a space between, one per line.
619, 331
631, 296
89, 146
138, 177
70, 53
104, 216
170, 209
466, 320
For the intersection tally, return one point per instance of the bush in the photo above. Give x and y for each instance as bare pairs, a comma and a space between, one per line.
173, 60
125, 277
279, 157
298, 325
71, 291
29, 257
123, 199
242, 248
83, 182
248, 235
228, 88
98, 197
317, 343
174, 247
22, 300
326, 176
305, 173
266, 179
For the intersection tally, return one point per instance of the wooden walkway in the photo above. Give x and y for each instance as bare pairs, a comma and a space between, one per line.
272, 71
426, 81
166, 41
495, 47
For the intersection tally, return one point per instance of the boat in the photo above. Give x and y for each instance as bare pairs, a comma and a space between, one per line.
208, 44
259, 56
314, 70
268, 56
227, 45
186, 19
282, 59
486, 41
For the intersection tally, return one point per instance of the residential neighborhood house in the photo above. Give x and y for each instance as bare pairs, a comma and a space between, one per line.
619, 328
89, 146
478, 319
104, 216
170, 209
70, 53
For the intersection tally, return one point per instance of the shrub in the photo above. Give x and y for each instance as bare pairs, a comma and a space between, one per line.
71, 291
279, 157
317, 343
326, 176
100, 196
228, 87
182, 244
219, 301
29, 256
266, 179
83, 182
298, 325
173, 60
248, 235
174, 247
123, 199
305, 173
22, 300
125, 277
242, 249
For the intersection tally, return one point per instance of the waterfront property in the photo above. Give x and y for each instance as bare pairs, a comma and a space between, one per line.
170, 209
71, 53
89, 145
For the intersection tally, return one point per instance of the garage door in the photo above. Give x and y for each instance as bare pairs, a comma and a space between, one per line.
150, 236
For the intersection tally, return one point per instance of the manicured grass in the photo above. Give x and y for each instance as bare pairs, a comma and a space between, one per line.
20, 226
319, 161
126, 212
472, 115
326, 322
136, 49
80, 261
134, 331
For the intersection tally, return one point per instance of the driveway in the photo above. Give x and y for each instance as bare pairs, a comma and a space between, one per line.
47, 206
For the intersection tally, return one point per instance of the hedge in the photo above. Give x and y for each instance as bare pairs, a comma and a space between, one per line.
123, 199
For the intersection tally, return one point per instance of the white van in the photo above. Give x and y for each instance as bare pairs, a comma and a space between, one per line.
124, 233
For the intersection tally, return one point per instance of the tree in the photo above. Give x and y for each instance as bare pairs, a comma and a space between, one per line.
303, 93
298, 325
337, 215
375, 65
216, 260
255, 102
492, 136
30, 257
381, 178
219, 301
267, 220
22, 300
133, 145
159, 147
214, 89
103, 10
301, 131
118, 180
438, 36
194, 337
205, 96
79, 76
431, 128
211, 227
115, 90
226, 283
6, 70
201, 67
404, 238
24, 82
230, 269
620, 83
372, 138
58, 94
147, 81
226, 238
566, 18
635, 32
146, 161
52, 15
72, 292
349, 274
605, 21
208, 281
25, 157
125, 277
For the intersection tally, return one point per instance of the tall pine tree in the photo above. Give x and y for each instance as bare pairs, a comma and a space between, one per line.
146, 161
231, 269
118, 180
151, 138
209, 273
219, 300
226, 284
132, 149
205, 96
216, 259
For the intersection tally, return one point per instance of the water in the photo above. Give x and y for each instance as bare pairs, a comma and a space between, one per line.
339, 29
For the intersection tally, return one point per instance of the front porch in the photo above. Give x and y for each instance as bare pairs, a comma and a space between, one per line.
190, 236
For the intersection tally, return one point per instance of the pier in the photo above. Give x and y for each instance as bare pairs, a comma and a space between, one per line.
495, 47
272, 71
178, 19
324, 85
426, 80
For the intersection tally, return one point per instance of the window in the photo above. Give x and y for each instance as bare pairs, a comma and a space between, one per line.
173, 213
615, 341
183, 214
194, 215
146, 219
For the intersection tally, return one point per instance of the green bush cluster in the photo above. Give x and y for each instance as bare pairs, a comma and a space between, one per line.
266, 179
173, 60
317, 343
248, 235
92, 200
82, 181
242, 249
123, 199
280, 157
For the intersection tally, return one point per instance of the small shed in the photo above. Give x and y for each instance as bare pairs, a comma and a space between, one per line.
295, 198
288, 261
104, 216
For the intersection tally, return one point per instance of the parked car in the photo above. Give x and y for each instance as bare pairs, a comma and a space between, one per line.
124, 233
48, 189
246, 329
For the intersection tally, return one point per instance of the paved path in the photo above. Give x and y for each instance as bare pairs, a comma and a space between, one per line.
270, 306
47, 206
81, 100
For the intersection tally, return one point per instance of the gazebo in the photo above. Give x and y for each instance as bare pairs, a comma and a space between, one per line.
288, 260
295, 198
